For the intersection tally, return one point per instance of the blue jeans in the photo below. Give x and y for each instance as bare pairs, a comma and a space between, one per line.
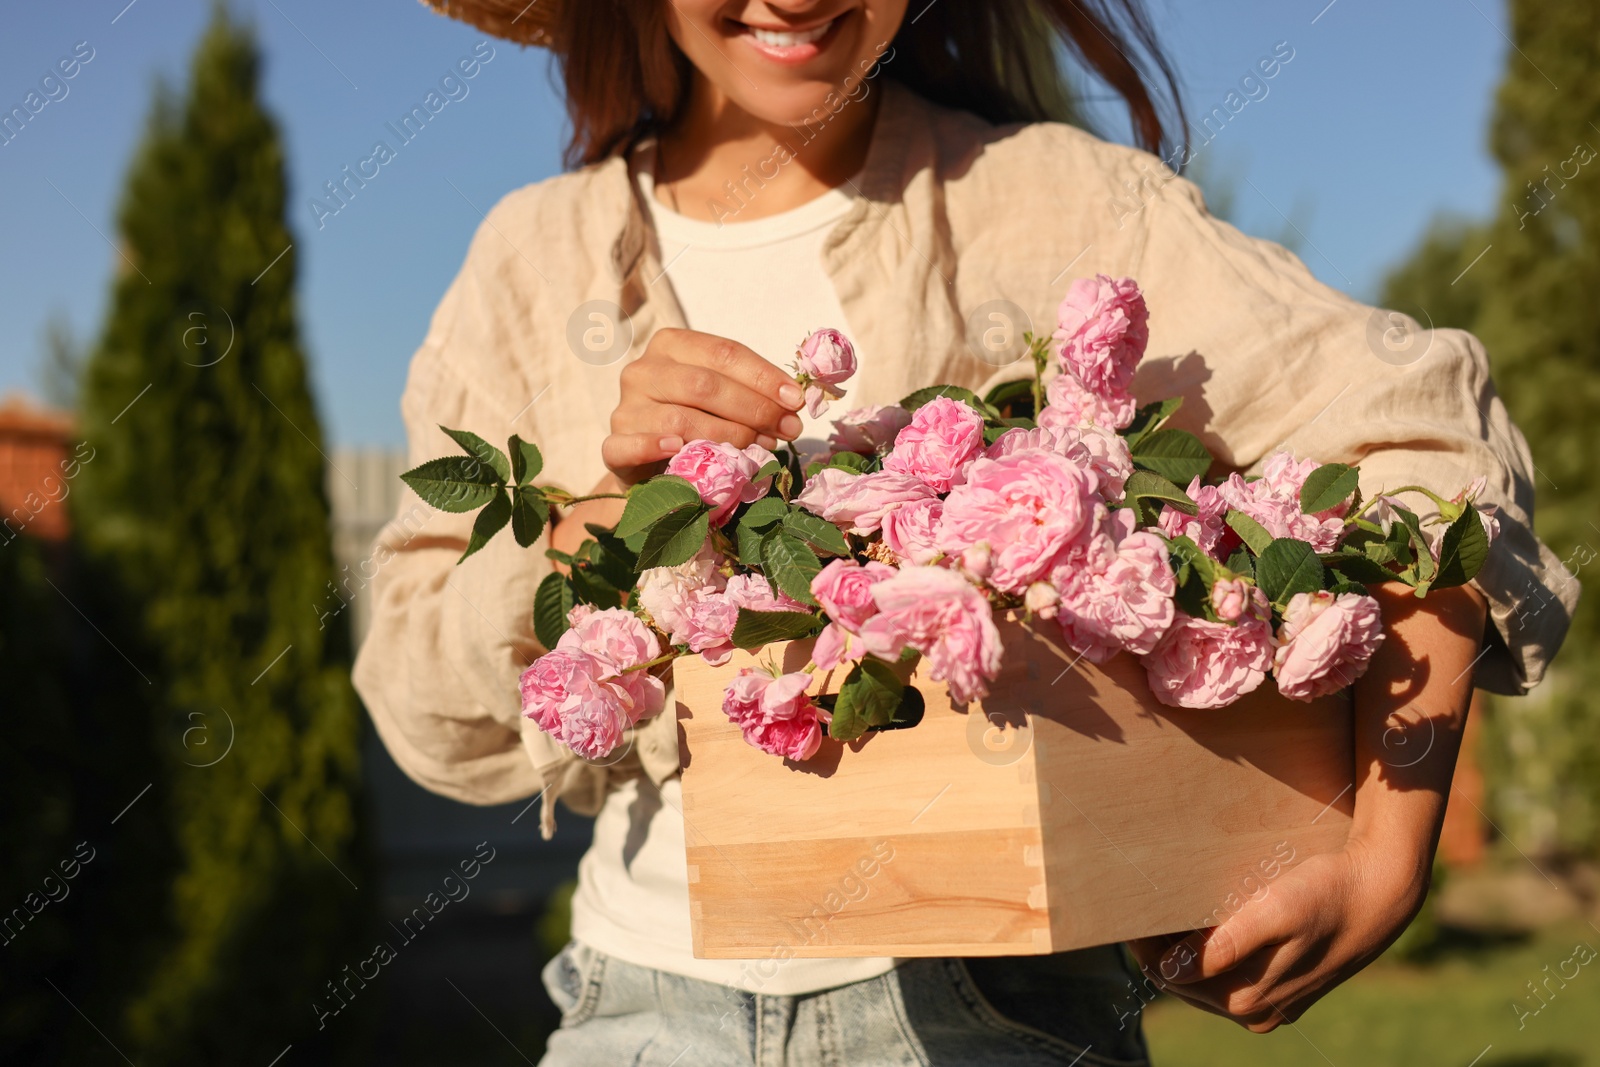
1008, 1012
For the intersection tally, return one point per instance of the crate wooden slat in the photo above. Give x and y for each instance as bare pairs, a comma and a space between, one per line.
1069, 809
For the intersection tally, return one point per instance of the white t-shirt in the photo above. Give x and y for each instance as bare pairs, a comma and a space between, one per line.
760, 283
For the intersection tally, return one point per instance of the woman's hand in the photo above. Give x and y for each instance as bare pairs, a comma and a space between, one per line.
1326, 918
690, 385
1319, 923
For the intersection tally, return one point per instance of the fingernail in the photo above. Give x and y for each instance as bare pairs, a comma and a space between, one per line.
791, 395
768, 443
671, 444
789, 426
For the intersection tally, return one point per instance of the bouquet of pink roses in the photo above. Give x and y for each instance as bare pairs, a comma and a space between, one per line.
1060, 501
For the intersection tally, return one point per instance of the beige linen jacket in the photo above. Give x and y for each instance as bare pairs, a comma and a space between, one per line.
950, 213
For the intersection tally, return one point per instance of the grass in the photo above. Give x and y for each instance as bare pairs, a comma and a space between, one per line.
1456, 1009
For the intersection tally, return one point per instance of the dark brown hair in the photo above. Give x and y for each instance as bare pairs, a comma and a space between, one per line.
1000, 59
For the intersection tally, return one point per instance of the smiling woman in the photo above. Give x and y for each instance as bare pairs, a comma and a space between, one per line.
912, 175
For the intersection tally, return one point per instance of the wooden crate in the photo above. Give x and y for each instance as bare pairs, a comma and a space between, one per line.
1070, 809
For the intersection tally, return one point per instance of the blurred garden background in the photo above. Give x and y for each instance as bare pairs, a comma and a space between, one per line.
207, 323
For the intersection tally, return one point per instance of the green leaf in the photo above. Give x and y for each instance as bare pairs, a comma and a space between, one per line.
1462, 550
1327, 487
1422, 554
1176, 455
1145, 485
1150, 418
550, 606
757, 519
789, 563
764, 513
820, 534
617, 572
1288, 567
453, 483
850, 461
769, 469
1195, 573
1010, 392
529, 512
913, 401
756, 628
676, 536
1359, 568
1241, 562
482, 451
869, 697
649, 501
526, 460
491, 520
1257, 536
592, 587
617, 554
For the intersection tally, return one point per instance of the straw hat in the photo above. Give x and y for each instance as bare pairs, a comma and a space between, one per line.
522, 21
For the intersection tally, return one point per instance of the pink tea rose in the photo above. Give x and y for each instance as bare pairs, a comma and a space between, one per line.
1027, 506
1325, 642
834, 647
753, 591
940, 614
943, 437
870, 430
911, 531
774, 714
1102, 328
1273, 500
562, 692
594, 728
713, 615
1203, 664
1206, 528
858, 502
665, 593
1116, 591
708, 629
1069, 404
825, 361
1098, 450
1018, 439
844, 589
619, 640
722, 475
1231, 598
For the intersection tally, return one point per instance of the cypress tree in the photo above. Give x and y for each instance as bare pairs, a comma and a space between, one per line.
1524, 282
206, 498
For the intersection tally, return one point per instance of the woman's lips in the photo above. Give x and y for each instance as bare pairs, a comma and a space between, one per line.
791, 46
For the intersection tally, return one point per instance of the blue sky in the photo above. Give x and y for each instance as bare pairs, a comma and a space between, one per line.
1378, 123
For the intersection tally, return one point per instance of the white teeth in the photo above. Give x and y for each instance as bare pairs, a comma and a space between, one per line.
790, 40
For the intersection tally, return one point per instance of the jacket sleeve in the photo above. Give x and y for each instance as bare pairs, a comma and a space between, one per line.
1270, 358
439, 667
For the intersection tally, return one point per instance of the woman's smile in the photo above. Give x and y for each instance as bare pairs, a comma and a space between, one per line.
790, 45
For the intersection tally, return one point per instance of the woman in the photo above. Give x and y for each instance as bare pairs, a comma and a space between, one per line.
748, 171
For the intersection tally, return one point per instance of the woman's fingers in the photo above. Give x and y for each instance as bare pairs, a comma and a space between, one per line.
724, 378
688, 385
630, 453
1208, 953
731, 360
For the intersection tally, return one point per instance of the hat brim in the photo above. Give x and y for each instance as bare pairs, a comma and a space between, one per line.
523, 21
